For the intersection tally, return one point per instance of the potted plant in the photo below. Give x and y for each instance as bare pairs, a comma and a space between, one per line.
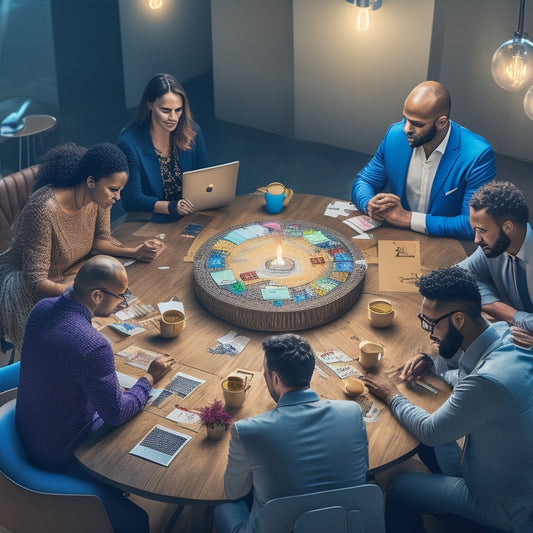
215, 419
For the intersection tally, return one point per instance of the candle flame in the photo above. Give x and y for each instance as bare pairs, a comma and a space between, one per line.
279, 259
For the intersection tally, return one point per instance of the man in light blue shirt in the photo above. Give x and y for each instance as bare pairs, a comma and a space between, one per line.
489, 481
499, 217
303, 445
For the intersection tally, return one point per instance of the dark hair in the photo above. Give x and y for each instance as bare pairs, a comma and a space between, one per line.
59, 166
100, 161
503, 200
291, 357
453, 284
184, 134
68, 164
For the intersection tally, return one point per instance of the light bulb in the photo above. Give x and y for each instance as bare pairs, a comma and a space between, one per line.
528, 103
363, 19
155, 4
512, 64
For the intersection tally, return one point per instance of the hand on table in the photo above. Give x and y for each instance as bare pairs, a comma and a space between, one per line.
521, 337
149, 250
185, 207
417, 367
381, 386
159, 367
387, 207
380, 203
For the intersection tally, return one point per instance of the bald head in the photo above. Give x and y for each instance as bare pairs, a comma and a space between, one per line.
429, 98
100, 271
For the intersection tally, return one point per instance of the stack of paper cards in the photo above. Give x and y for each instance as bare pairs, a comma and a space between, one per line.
126, 328
161, 445
138, 357
230, 344
183, 384
339, 208
340, 363
224, 277
276, 293
362, 223
191, 230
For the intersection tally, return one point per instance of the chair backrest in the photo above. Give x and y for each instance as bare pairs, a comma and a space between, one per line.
37, 500
353, 510
15, 189
9, 376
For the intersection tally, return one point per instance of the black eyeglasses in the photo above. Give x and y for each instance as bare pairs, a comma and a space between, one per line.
122, 297
427, 324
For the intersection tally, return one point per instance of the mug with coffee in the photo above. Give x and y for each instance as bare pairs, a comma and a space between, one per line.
234, 389
275, 195
380, 313
371, 353
171, 323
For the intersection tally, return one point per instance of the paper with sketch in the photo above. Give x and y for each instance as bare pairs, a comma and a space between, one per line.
399, 265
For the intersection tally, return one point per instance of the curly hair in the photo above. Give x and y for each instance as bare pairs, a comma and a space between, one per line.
59, 166
184, 134
100, 161
503, 200
452, 284
291, 357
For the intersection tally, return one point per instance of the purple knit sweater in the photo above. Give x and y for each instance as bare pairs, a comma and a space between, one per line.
68, 387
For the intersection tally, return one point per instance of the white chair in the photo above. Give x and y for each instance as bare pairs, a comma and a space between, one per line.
348, 510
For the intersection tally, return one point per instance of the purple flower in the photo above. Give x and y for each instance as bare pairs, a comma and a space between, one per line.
214, 416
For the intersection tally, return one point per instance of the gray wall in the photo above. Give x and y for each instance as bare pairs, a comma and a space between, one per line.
253, 63
175, 38
304, 60
471, 31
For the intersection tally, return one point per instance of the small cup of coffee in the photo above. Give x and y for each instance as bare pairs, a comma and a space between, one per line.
371, 353
380, 313
171, 323
234, 389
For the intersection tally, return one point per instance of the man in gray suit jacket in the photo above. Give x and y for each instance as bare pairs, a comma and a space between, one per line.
303, 445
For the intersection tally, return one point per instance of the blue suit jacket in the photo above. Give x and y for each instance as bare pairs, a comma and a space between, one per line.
466, 165
304, 445
145, 187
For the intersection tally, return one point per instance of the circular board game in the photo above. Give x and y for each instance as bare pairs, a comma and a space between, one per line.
278, 276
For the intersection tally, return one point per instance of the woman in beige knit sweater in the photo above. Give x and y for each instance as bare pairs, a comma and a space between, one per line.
66, 219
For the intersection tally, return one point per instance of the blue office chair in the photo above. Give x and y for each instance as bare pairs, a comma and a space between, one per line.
38, 500
9, 376
349, 510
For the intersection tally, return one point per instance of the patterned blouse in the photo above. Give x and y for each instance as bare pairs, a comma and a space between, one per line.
171, 174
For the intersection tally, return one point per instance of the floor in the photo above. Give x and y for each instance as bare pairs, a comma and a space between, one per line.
304, 166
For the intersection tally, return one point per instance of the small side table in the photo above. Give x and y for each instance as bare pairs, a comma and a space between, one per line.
33, 125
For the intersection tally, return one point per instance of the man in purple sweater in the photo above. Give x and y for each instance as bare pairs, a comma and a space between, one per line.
68, 387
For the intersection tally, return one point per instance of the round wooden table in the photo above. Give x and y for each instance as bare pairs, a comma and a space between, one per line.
196, 475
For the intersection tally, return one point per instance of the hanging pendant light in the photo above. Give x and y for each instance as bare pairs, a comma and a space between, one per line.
528, 103
512, 63
363, 12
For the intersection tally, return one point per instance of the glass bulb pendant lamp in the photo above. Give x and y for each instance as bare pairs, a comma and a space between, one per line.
512, 63
528, 103
363, 10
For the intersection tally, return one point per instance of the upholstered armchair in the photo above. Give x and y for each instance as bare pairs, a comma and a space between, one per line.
15, 190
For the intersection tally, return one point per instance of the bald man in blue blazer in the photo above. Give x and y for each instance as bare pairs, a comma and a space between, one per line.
431, 165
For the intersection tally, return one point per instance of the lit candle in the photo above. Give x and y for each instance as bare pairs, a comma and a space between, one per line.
279, 259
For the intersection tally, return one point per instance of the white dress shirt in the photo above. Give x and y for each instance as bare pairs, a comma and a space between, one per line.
419, 181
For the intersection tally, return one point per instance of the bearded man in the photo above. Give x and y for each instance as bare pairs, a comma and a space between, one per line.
503, 263
430, 165
489, 481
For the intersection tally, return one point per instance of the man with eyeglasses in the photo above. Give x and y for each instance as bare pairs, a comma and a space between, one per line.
503, 262
431, 166
68, 386
489, 481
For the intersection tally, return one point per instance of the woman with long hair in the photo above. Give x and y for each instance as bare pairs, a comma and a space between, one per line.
66, 218
161, 143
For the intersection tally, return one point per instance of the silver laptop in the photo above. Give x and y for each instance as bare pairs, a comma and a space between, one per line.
211, 187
